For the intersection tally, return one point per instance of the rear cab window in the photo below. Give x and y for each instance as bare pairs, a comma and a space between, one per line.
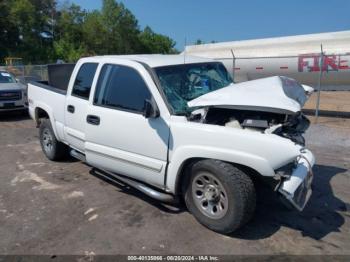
83, 81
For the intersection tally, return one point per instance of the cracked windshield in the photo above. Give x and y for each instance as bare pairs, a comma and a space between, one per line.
182, 83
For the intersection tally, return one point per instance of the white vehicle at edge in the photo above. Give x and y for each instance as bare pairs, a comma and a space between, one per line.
173, 129
13, 94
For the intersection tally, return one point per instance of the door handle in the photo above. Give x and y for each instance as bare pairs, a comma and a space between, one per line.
70, 109
93, 120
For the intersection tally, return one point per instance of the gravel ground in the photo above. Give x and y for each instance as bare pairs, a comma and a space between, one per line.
63, 208
330, 101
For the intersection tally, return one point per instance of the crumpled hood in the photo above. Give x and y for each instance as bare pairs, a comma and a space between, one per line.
273, 94
11, 86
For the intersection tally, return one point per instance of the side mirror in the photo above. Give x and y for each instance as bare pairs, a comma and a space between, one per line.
150, 109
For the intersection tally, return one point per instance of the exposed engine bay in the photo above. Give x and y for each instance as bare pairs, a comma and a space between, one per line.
291, 126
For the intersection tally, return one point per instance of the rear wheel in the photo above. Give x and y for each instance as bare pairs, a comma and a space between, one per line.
219, 195
52, 148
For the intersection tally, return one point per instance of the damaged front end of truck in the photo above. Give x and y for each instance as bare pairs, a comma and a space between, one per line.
270, 106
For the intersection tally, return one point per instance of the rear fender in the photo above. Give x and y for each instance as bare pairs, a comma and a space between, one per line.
48, 110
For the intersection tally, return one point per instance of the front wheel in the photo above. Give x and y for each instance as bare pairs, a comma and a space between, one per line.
219, 195
52, 148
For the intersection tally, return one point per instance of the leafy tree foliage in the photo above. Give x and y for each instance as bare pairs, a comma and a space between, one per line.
24, 28
39, 31
156, 43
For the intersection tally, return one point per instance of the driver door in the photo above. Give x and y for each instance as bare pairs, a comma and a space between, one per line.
118, 137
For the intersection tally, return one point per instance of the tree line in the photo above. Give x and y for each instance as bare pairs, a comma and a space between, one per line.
40, 31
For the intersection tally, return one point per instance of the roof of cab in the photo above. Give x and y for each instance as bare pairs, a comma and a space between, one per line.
160, 60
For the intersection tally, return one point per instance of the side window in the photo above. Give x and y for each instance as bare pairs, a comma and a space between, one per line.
121, 87
83, 81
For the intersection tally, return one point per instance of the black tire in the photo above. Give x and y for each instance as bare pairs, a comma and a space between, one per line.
238, 187
57, 150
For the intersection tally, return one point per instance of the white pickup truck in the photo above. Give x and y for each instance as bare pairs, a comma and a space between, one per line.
177, 127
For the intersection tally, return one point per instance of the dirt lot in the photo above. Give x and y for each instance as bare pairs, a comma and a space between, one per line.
331, 101
61, 208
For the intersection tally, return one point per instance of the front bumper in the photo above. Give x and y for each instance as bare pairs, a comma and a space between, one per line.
297, 188
12, 105
13, 108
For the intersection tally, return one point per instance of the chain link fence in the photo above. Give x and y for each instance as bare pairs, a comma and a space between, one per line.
28, 73
324, 71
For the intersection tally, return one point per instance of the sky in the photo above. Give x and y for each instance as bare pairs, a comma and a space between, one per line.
230, 20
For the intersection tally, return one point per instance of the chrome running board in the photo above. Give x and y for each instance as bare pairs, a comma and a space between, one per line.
147, 190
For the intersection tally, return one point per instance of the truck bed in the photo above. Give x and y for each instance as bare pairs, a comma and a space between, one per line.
52, 100
45, 85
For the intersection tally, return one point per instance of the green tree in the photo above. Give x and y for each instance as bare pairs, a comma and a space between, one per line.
121, 27
6, 30
68, 44
95, 34
156, 43
28, 23
39, 31
68, 51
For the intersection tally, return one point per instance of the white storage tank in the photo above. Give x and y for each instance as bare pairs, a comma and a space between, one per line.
294, 56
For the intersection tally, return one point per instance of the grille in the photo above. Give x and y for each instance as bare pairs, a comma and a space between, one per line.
10, 95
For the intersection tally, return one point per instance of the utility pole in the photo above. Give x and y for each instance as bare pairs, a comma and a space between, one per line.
319, 85
233, 65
